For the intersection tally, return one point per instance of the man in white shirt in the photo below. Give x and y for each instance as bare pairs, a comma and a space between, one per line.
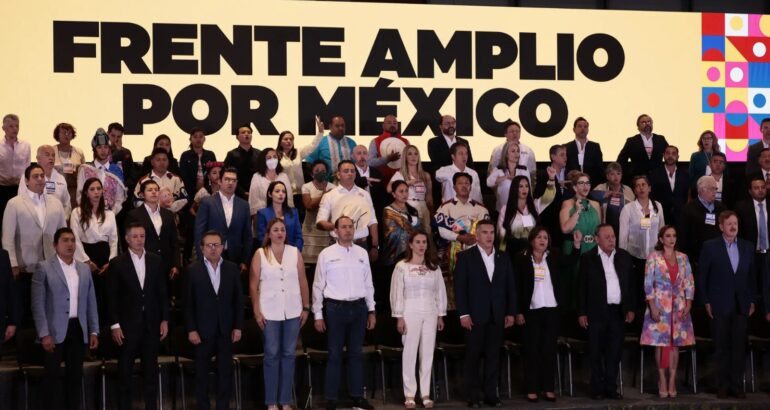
137, 313
66, 320
606, 302
55, 184
513, 134
15, 156
349, 200
444, 175
343, 306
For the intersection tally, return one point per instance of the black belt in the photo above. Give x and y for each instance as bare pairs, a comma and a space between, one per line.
344, 302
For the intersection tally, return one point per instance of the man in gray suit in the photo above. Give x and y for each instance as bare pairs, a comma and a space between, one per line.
29, 222
64, 310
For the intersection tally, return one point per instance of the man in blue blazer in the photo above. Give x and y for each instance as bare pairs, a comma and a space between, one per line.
229, 215
726, 285
213, 318
486, 304
64, 310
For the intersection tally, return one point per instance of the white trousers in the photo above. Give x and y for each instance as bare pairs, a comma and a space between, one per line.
420, 336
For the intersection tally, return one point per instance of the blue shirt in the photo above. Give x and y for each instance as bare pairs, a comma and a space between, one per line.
709, 206
732, 253
323, 152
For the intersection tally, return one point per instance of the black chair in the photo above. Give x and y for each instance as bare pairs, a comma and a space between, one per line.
451, 345
759, 341
248, 354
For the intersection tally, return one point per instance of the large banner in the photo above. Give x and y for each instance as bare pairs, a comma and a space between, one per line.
165, 67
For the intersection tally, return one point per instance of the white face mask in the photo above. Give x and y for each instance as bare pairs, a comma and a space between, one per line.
272, 163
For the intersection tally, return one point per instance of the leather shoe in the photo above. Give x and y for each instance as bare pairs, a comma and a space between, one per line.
473, 405
493, 402
614, 396
722, 393
552, 399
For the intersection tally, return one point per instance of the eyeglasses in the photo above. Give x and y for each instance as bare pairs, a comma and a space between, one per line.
213, 245
583, 183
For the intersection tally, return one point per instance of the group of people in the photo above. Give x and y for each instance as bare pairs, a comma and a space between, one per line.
111, 245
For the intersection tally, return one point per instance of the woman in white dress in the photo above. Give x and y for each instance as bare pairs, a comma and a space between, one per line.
418, 299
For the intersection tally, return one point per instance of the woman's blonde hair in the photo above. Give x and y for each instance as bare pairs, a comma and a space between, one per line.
405, 167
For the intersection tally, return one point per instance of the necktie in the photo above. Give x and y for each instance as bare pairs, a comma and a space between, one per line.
767, 176
762, 227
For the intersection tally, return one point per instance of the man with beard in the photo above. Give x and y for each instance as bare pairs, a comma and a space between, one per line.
110, 174
332, 149
584, 155
643, 150
438, 146
670, 185
379, 161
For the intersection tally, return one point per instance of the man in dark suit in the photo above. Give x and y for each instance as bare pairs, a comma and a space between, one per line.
752, 165
606, 301
699, 220
485, 296
370, 179
670, 185
137, 311
233, 223
10, 310
438, 146
754, 226
726, 188
213, 318
66, 320
159, 228
726, 284
550, 215
763, 165
644, 150
584, 155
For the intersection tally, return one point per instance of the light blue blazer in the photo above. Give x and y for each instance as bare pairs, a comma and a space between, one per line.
50, 301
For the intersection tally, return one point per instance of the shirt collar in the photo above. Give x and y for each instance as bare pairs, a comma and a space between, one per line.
210, 266
758, 203
610, 256
484, 253
224, 197
730, 244
150, 211
35, 196
153, 175
65, 264
707, 205
134, 254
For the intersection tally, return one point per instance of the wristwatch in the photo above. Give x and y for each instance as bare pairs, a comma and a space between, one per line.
306, 309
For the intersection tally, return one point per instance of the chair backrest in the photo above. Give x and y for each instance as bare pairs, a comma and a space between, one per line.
386, 332
28, 350
251, 339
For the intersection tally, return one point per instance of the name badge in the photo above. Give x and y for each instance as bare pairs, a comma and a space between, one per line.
646, 223
615, 201
719, 196
419, 188
68, 167
50, 187
711, 219
539, 274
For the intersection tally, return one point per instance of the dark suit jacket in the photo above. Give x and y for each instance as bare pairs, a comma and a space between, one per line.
130, 304
693, 230
672, 201
475, 295
211, 216
380, 197
164, 244
438, 152
213, 314
752, 158
718, 285
10, 308
748, 227
188, 168
525, 276
592, 286
593, 161
634, 151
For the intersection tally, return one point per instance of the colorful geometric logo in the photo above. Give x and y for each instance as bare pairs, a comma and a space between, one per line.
735, 55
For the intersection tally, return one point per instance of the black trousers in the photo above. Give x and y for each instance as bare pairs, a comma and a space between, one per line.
146, 347
605, 345
483, 340
541, 329
729, 333
71, 350
222, 347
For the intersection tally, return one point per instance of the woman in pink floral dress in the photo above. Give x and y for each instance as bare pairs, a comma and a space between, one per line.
670, 288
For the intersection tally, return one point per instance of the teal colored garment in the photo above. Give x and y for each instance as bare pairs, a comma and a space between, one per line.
589, 220
698, 162
323, 152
